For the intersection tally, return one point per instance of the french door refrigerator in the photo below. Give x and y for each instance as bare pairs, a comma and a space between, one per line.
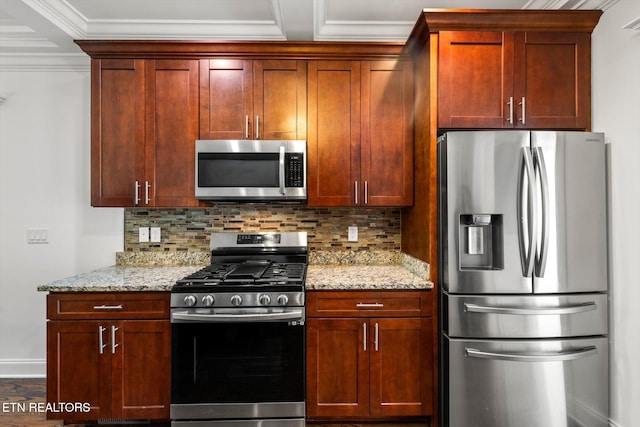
523, 279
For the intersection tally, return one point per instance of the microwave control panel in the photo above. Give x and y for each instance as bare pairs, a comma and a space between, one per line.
294, 170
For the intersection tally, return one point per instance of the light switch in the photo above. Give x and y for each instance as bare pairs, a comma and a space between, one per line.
156, 234
143, 235
353, 234
37, 235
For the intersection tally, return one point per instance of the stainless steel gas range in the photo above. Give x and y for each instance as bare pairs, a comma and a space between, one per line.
237, 342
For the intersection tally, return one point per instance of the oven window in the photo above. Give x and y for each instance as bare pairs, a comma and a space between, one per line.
237, 362
238, 170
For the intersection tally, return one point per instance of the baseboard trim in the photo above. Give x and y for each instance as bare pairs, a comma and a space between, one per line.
23, 368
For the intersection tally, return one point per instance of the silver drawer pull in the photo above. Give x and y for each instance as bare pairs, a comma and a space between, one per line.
571, 309
107, 307
369, 305
560, 356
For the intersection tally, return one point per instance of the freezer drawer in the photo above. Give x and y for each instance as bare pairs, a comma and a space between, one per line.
531, 383
548, 316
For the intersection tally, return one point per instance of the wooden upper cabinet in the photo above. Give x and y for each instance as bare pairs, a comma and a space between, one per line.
514, 79
253, 99
117, 130
333, 145
144, 123
387, 133
171, 132
360, 140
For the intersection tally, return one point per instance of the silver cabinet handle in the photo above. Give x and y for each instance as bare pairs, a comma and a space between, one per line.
147, 187
559, 356
366, 192
101, 344
510, 104
376, 337
356, 191
369, 305
569, 309
539, 164
364, 336
257, 127
281, 173
107, 307
137, 196
246, 127
523, 103
113, 339
528, 215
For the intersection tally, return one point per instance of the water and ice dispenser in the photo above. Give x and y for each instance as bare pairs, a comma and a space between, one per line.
481, 242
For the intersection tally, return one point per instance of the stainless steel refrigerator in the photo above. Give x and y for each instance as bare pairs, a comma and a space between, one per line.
523, 279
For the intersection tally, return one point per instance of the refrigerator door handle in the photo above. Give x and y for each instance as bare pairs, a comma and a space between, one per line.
560, 356
539, 164
528, 214
569, 309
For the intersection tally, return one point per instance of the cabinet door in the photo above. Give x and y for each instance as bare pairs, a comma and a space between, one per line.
78, 370
475, 79
117, 130
280, 99
338, 364
171, 131
141, 369
553, 80
226, 99
401, 367
334, 132
387, 133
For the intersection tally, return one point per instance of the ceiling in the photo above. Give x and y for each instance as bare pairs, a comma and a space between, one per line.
48, 27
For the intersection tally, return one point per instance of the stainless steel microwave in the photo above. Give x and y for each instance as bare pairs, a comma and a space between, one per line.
251, 170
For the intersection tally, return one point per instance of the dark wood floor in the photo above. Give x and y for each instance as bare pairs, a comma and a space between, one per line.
17, 396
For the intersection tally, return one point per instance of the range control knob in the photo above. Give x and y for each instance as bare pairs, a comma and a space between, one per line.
236, 300
264, 299
190, 300
208, 300
283, 299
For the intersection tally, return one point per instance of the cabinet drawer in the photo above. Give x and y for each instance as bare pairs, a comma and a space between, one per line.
368, 303
129, 305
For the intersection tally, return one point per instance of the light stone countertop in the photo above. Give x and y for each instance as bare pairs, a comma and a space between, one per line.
363, 277
121, 279
408, 274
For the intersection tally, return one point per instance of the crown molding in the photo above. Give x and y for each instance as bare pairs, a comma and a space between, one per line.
570, 4
62, 15
633, 25
44, 62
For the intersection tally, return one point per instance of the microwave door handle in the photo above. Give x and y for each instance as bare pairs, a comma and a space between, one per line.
282, 190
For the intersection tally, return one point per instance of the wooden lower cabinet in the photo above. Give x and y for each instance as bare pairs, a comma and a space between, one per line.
106, 358
369, 364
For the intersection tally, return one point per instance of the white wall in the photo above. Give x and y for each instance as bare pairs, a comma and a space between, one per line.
616, 111
44, 182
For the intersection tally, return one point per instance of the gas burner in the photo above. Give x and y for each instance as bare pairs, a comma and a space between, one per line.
250, 266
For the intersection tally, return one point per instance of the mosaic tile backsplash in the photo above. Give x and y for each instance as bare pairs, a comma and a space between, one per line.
188, 230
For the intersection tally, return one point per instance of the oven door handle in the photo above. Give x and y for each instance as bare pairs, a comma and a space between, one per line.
228, 318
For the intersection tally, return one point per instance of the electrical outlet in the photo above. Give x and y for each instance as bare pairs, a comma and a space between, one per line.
156, 234
353, 234
37, 235
143, 235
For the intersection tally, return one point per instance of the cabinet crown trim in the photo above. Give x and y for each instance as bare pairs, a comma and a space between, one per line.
202, 49
436, 20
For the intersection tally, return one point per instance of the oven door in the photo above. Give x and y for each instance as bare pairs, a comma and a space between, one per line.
238, 364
